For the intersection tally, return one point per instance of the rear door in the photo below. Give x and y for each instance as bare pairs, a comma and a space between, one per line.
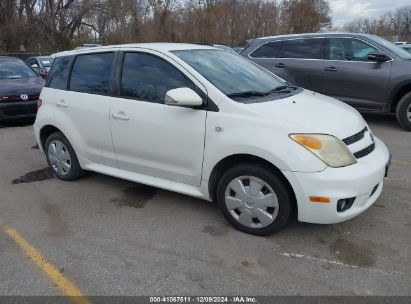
150, 137
301, 63
266, 55
83, 108
352, 78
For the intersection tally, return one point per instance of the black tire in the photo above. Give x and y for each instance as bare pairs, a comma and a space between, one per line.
75, 171
403, 113
285, 201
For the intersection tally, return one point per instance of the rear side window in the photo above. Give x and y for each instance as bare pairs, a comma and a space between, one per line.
268, 50
91, 73
57, 78
304, 48
148, 78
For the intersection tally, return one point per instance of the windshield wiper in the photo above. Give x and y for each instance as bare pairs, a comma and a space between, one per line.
282, 89
247, 94
279, 89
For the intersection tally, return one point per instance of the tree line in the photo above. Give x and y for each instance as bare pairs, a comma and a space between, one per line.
55, 25
394, 25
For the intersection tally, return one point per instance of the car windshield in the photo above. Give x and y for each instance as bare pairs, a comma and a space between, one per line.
230, 73
46, 61
10, 69
397, 50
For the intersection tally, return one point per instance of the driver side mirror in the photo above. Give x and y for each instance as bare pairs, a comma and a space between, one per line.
183, 97
34, 66
378, 57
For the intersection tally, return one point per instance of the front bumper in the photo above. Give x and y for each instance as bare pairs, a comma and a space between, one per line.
18, 110
362, 181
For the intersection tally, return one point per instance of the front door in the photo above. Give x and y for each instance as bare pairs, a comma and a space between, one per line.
150, 137
352, 78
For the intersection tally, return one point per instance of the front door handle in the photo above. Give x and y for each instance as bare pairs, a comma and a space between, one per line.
280, 65
62, 103
120, 115
331, 69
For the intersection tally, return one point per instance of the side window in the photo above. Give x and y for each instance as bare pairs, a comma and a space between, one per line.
57, 77
268, 50
91, 73
311, 48
349, 49
148, 77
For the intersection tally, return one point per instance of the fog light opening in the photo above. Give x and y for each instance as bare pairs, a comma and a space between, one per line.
345, 204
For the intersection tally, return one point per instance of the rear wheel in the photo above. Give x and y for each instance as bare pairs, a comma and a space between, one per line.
61, 157
254, 199
404, 112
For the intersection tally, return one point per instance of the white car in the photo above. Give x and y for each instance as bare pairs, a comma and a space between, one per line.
211, 124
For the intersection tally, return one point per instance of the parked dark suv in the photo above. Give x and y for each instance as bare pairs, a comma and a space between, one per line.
365, 71
20, 88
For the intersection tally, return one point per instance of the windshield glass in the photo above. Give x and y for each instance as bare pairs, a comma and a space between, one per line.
10, 69
230, 73
46, 61
397, 50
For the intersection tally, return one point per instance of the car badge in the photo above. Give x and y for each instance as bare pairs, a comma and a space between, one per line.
24, 97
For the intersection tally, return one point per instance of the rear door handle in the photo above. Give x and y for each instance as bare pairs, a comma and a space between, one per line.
280, 65
120, 115
62, 103
331, 69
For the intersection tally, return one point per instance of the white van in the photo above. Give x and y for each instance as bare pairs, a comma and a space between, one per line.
209, 123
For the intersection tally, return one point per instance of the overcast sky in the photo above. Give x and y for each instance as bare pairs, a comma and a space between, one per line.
343, 11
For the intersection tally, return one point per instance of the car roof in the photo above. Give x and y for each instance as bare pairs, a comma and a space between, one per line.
159, 46
315, 35
9, 58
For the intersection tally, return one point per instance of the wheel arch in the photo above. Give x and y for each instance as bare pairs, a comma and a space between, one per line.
45, 132
231, 160
399, 92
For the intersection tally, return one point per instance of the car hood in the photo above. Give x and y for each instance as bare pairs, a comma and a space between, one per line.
315, 113
30, 86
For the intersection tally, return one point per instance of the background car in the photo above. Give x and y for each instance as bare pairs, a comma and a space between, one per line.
365, 71
238, 49
20, 88
406, 47
41, 64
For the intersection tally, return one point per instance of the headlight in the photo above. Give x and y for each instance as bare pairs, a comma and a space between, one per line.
328, 148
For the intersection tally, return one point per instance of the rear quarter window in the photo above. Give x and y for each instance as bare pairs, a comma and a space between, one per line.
58, 75
268, 50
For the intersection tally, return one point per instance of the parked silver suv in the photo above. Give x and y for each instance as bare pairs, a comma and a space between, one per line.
365, 71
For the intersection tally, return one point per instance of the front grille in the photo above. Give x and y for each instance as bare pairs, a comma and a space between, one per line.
356, 137
365, 152
20, 111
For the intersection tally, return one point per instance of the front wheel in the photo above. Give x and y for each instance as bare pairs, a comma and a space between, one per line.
254, 199
404, 112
